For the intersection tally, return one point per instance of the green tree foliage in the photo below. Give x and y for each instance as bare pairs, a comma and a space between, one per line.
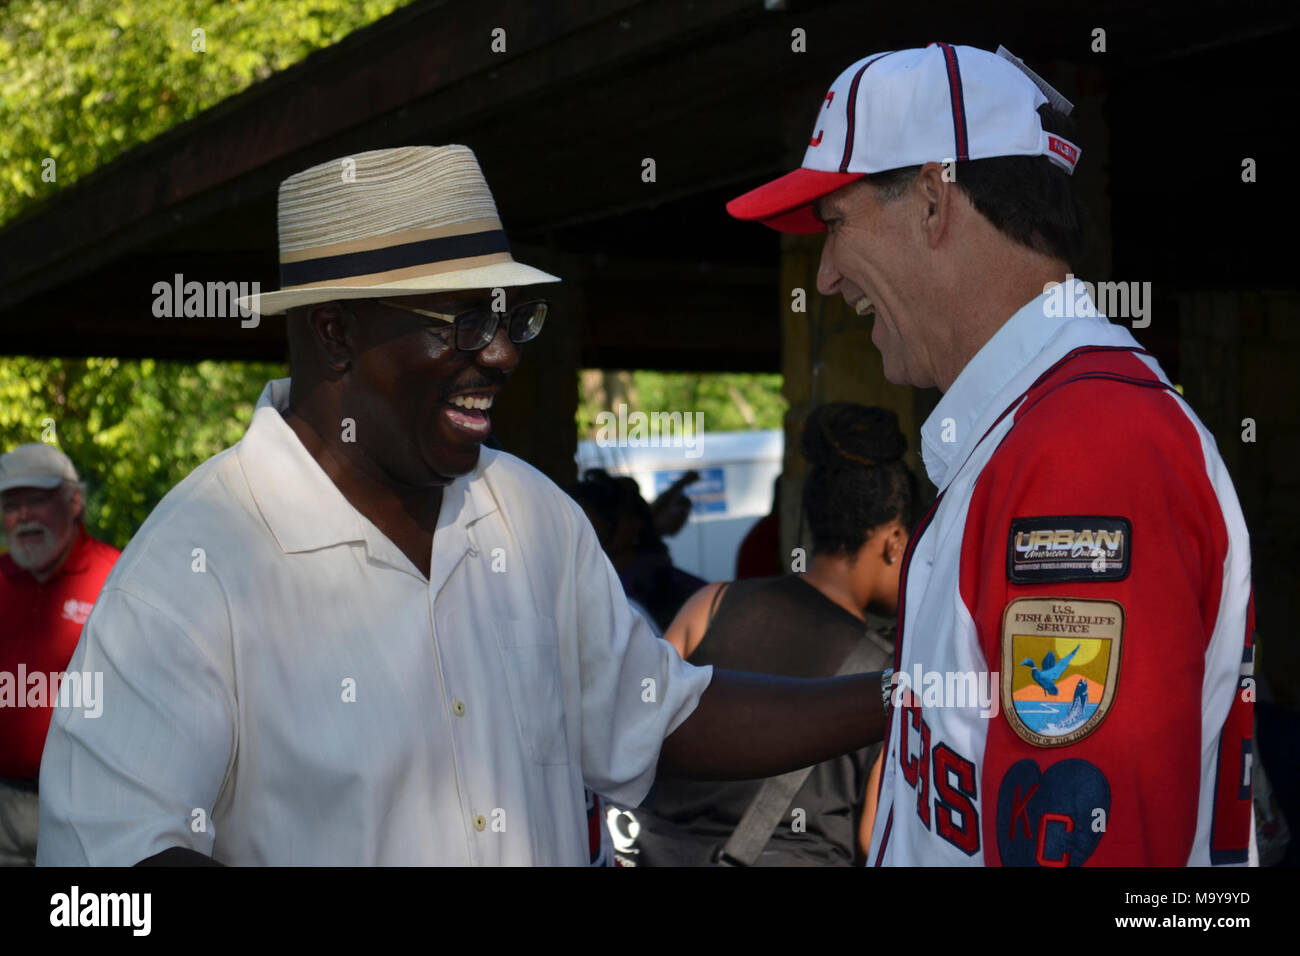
84, 80
730, 401
132, 428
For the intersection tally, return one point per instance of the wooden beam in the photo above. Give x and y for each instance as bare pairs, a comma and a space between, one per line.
561, 124
239, 151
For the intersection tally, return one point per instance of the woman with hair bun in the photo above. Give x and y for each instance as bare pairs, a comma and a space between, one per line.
860, 502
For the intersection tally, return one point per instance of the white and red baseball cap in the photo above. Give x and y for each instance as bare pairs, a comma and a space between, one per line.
939, 104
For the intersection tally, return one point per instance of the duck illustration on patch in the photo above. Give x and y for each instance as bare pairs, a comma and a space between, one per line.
1060, 666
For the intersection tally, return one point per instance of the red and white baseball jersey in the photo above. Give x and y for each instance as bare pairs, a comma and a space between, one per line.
1075, 626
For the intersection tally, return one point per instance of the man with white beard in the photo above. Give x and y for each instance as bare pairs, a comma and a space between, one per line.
49, 581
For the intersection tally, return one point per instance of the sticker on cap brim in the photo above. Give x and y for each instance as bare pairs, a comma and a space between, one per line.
1060, 666
1055, 548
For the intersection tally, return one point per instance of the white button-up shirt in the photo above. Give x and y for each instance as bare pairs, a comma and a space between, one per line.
283, 686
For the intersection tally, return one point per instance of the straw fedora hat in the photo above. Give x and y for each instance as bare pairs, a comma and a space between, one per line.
390, 222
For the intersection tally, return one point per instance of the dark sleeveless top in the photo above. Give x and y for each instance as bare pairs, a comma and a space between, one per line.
781, 625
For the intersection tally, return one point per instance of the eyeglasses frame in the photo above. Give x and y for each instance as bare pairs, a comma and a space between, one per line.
452, 319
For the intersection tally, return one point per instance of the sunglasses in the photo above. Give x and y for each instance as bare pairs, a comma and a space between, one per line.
477, 327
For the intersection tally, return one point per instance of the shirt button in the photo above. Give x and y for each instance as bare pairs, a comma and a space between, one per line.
458, 708
480, 822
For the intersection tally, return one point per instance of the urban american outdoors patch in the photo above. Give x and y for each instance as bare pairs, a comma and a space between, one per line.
1052, 549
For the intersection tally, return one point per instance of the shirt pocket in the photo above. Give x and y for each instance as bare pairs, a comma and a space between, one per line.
532, 664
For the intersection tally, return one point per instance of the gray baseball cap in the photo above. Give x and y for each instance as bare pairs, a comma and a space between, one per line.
35, 466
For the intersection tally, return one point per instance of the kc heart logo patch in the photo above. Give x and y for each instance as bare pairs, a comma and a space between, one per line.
1054, 817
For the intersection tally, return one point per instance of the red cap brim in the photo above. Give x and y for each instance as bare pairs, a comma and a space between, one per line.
785, 204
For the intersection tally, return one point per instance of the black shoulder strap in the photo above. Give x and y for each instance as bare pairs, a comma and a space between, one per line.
769, 806
713, 605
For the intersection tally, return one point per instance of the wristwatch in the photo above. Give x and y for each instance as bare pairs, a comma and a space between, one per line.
886, 687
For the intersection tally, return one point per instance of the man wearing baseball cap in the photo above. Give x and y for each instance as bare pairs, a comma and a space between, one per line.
49, 581
1086, 567
359, 636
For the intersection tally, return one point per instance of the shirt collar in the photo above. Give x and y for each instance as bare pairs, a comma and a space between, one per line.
305, 510
961, 414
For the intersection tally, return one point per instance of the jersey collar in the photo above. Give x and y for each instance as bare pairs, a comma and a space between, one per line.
968, 407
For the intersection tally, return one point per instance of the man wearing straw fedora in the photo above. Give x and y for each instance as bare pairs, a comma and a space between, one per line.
358, 636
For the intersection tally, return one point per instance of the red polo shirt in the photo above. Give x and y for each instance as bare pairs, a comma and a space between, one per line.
39, 627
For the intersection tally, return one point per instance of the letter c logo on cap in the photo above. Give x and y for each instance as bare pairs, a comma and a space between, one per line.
816, 140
